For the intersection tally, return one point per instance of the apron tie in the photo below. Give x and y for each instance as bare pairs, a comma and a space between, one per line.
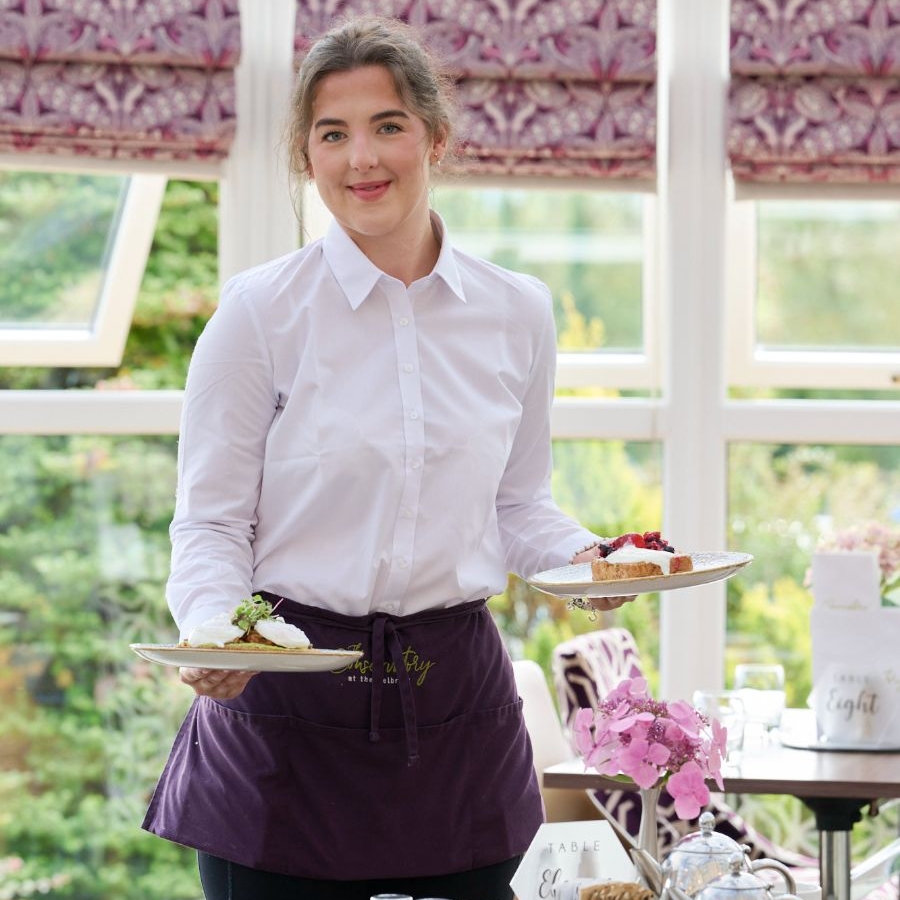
385, 632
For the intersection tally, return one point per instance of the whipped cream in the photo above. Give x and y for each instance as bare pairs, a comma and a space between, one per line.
282, 633
631, 554
219, 631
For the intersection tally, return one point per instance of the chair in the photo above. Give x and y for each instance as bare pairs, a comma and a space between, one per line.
548, 743
588, 667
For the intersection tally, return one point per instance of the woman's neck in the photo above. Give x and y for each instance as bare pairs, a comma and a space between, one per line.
406, 258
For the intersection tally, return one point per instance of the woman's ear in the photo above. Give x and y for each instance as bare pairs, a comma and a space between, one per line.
438, 148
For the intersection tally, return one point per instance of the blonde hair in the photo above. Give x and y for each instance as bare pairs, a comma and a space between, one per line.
371, 41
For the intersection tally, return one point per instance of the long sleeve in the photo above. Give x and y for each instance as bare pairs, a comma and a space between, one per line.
536, 534
228, 409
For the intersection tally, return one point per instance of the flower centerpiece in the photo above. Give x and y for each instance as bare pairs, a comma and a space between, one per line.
631, 736
872, 537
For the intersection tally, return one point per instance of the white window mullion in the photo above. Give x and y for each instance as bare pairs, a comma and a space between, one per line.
694, 72
816, 422
90, 412
258, 222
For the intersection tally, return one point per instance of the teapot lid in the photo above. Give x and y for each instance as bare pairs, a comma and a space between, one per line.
708, 841
737, 880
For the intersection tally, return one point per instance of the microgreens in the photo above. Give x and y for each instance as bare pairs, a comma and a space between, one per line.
249, 612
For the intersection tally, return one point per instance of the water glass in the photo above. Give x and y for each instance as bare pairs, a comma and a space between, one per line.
728, 708
761, 688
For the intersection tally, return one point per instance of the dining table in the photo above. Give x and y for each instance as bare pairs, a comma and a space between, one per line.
836, 784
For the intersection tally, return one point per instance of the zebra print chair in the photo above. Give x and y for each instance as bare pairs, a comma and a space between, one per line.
588, 667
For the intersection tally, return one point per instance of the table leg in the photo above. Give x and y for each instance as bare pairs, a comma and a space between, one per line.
835, 818
834, 864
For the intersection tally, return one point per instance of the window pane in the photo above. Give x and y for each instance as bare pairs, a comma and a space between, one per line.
781, 499
178, 294
587, 246
55, 235
828, 274
85, 725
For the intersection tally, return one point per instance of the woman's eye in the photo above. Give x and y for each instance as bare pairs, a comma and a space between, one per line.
329, 137
390, 128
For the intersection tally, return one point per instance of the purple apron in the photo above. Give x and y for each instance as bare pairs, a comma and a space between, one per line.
411, 761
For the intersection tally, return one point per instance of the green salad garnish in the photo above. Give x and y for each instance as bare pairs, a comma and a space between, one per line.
249, 612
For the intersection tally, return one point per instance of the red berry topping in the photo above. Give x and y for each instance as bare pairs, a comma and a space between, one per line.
652, 540
633, 538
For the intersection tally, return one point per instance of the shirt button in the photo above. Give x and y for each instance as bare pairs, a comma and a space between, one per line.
406, 512
415, 464
402, 563
414, 415
408, 367
390, 607
404, 321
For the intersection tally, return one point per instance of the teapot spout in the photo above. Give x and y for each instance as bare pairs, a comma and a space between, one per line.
648, 868
671, 892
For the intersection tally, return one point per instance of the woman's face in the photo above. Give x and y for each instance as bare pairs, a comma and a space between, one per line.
370, 156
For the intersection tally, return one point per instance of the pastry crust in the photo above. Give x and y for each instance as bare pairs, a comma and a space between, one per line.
601, 570
616, 890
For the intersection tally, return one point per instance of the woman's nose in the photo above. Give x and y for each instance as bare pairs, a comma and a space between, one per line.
362, 155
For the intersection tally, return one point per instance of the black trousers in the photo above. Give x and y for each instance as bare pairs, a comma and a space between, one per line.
224, 880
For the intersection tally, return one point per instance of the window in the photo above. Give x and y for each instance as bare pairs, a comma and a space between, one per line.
72, 252
813, 294
592, 248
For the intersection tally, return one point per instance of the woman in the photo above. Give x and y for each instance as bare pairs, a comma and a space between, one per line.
365, 433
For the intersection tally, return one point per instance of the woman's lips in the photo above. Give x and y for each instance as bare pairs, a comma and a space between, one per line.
370, 190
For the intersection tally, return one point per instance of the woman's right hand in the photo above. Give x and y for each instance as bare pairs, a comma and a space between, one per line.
220, 684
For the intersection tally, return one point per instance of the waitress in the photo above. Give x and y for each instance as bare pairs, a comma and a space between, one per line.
366, 438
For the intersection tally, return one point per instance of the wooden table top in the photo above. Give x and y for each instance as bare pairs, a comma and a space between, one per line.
778, 770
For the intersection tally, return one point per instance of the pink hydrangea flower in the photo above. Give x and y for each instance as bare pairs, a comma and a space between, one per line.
688, 788
653, 743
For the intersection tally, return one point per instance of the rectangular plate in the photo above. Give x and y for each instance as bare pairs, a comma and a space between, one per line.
310, 660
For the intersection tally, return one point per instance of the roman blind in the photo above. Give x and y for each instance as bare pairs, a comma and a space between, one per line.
565, 89
119, 79
815, 91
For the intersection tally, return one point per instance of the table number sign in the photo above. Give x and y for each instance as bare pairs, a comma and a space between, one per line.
856, 677
563, 853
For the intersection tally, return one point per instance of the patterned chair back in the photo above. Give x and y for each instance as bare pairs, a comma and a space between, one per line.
589, 666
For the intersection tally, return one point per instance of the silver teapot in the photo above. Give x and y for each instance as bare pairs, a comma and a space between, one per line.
703, 856
740, 884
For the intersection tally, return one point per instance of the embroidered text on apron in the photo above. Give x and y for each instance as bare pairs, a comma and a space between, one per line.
412, 761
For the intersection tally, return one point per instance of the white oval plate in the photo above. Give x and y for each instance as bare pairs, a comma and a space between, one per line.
311, 660
575, 581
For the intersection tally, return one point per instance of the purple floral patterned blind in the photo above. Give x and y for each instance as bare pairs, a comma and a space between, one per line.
118, 79
563, 88
815, 91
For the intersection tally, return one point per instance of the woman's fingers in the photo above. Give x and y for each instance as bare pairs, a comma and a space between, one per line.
605, 604
220, 684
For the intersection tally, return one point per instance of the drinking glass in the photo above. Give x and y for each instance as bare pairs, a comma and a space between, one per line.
728, 708
761, 688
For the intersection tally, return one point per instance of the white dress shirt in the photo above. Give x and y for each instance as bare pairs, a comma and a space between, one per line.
359, 445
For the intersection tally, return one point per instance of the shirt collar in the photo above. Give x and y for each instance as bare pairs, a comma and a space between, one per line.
357, 275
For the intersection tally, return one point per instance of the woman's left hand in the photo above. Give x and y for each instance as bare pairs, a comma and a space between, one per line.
603, 604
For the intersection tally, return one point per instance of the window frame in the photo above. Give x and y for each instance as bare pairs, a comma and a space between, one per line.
752, 366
